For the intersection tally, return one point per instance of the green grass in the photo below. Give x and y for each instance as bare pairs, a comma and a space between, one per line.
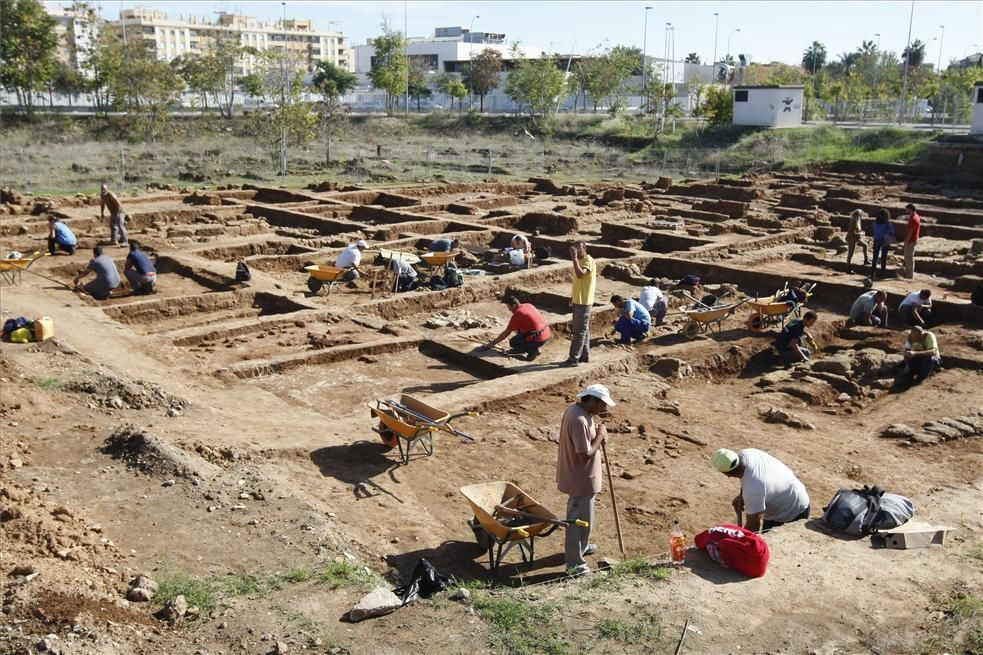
197, 591
243, 585
45, 383
521, 627
297, 574
630, 631
961, 631
346, 574
976, 552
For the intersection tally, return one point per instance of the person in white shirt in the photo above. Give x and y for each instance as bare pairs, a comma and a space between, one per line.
350, 258
870, 308
405, 275
521, 243
916, 308
770, 495
654, 301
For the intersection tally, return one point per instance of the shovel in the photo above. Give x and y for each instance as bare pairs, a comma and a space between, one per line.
541, 519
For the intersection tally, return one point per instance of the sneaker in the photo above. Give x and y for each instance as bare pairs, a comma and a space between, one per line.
583, 569
584, 359
531, 356
570, 362
590, 550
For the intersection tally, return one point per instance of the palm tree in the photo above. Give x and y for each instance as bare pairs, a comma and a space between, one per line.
814, 57
848, 60
915, 53
693, 58
867, 48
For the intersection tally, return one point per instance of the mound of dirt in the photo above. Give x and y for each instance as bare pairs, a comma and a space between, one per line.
151, 455
461, 318
112, 392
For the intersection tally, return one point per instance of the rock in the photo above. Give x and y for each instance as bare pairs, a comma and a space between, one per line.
897, 431
174, 609
173, 411
778, 415
774, 377
143, 582
975, 421
22, 569
167, 483
669, 407
15, 462
49, 644
836, 364
965, 429
281, 648
139, 595
944, 431
461, 595
844, 398
116, 402
883, 383
670, 367
378, 602
607, 563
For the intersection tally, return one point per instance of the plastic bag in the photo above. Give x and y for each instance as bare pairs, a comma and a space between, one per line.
424, 583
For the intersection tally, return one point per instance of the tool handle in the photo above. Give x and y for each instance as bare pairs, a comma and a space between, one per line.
614, 500
581, 523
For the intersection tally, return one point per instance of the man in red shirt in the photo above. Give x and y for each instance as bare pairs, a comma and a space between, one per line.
531, 330
911, 234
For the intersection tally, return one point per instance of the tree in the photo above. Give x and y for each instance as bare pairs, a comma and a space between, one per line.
848, 61
417, 86
719, 106
332, 83
389, 67
914, 54
632, 54
251, 85
28, 42
535, 83
692, 58
452, 87
67, 81
197, 75
602, 76
485, 74
814, 57
223, 64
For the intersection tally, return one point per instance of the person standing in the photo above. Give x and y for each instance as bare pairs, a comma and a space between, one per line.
883, 238
117, 217
578, 470
531, 329
140, 271
770, 495
912, 232
654, 301
855, 237
107, 276
581, 300
60, 237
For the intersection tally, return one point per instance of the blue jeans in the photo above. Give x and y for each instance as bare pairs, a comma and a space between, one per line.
768, 524
407, 283
880, 248
631, 328
922, 367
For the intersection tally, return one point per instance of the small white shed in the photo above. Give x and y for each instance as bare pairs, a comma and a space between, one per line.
768, 106
977, 126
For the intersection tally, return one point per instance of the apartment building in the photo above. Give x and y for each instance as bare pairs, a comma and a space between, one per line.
192, 35
77, 27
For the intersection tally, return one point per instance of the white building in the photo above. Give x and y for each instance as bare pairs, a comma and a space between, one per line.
977, 125
77, 27
768, 106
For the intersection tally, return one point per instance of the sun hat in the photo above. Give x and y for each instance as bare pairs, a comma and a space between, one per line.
725, 460
361, 244
598, 391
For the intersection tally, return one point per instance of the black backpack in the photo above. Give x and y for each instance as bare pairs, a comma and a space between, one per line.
452, 277
242, 272
867, 510
543, 252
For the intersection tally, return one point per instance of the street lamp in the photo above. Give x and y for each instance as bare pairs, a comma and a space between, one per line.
471, 61
728, 40
938, 66
283, 99
716, 24
645, 45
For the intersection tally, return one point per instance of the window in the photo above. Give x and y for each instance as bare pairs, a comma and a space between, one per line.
740, 96
979, 94
148, 30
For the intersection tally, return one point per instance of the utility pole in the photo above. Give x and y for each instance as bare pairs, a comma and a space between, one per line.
283, 99
716, 25
904, 86
471, 62
645, 44
406, 55
938, 66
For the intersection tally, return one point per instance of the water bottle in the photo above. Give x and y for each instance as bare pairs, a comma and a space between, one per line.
677, 544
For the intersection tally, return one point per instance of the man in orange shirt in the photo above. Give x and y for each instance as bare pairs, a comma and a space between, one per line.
578, 470
531, 330
911, 234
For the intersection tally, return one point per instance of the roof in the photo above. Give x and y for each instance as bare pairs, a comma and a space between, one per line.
772, 86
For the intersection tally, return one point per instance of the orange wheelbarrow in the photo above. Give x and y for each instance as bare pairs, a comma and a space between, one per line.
409, 422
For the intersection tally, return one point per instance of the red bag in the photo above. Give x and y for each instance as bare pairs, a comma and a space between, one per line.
737, 548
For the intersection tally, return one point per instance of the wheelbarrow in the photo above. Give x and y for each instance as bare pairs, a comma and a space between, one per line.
703, 318
406, 423
438, 260
774, 310
506, 517
321, 274
11, 270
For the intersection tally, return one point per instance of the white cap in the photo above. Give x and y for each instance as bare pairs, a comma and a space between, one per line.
361, 244
598, 391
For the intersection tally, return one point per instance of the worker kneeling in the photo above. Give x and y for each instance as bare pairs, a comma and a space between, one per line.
770, 495
531, 330
634, 321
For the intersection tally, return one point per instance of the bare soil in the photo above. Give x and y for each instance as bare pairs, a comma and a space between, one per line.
251, 401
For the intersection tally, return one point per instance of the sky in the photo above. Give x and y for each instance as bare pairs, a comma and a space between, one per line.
769, 30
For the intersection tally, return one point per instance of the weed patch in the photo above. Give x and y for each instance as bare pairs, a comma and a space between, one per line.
45, 383
346, 574
197, 591
630, 631
296, 574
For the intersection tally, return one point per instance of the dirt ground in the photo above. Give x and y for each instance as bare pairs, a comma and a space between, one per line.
216, 437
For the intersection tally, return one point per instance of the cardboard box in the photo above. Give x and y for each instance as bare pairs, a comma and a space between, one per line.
913, 534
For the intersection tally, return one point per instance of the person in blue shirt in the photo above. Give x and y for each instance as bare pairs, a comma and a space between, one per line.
444, 245
633, 321
883, 238
140, 271
60, 237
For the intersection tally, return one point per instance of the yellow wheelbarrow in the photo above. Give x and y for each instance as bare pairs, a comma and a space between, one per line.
321, 274
405, 423
438, 261
11, 270
775, 309
703, 319
505, 517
